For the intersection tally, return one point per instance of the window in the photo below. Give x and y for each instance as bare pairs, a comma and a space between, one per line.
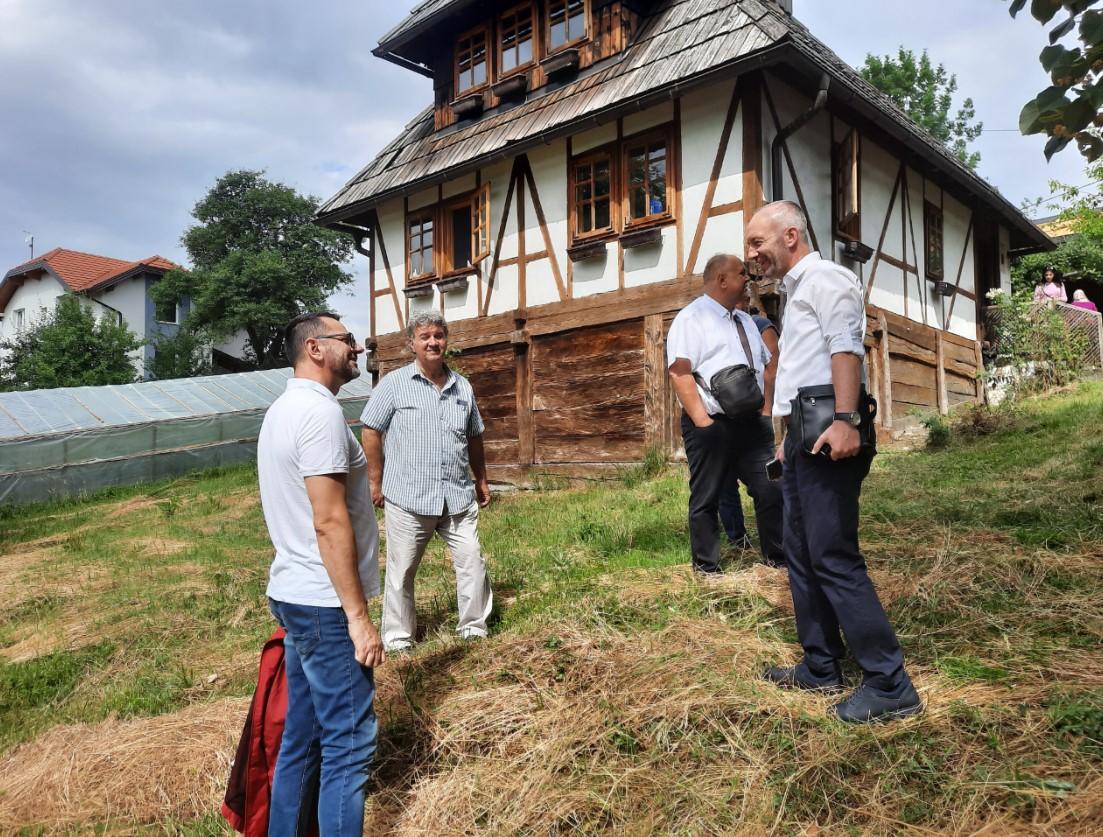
846, 187
515, 39
592, 193
165, 312
462, 238
471, 56
20, 317
621, 186
566, 22
419, 245
645, 178
932, 234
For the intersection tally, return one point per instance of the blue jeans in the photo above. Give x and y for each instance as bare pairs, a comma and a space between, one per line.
329, 734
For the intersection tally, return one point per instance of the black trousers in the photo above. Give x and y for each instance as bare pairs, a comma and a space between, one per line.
831, 588
742, 446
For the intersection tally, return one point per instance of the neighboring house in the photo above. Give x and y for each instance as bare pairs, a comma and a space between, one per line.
112, 287
581, 161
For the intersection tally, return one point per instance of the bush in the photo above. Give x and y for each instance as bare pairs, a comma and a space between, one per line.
938, 430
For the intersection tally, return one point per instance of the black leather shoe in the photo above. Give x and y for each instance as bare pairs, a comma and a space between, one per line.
799, 677
865, 705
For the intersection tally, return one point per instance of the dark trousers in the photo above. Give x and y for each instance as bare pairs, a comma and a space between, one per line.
827, 574
742, 446
731, 510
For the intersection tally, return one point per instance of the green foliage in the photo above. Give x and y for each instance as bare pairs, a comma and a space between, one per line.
183, 355
926, 93
652, 464
1035, 342
1071, 108
69, 347
258, 260
938, 430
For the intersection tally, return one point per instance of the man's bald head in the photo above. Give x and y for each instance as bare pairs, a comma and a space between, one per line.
777, 238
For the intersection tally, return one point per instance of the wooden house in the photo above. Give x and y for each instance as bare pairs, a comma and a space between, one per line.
580, 162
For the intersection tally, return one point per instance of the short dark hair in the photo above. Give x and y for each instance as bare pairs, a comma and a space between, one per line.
300, 329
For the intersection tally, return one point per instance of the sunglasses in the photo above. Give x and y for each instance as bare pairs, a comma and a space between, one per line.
347, 338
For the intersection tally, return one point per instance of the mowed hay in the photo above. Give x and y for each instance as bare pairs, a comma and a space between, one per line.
142, 770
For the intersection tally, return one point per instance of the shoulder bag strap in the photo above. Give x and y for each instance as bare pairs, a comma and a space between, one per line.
743, 339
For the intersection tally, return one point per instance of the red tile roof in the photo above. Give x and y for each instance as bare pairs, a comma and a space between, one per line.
87, 271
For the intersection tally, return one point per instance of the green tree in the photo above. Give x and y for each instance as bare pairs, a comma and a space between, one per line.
257, 261
926, 94
69, 347
182, 355
1071, 108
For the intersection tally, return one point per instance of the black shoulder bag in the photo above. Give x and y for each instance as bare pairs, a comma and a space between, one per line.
736, 387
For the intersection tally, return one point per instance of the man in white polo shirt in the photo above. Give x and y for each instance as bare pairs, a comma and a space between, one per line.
708, 335
317, 504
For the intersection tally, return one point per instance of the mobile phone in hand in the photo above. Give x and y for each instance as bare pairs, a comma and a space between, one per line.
773, 470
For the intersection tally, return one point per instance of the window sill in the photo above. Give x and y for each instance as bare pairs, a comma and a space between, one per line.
469, 104
589, 248
646, 236
564, 60
421, 286
454, 282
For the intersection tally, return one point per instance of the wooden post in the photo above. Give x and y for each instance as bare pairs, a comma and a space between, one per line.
654, 384
981, 390
886, 372
526, 435
751, 106
371, 282
521, 260
940, 374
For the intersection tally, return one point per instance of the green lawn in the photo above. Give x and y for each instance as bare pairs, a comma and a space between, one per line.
615, 693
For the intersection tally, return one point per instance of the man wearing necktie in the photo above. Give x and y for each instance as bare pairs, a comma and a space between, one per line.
706, 336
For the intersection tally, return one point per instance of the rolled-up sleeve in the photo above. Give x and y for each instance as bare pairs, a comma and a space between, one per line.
683, 341
475, 425
842, 316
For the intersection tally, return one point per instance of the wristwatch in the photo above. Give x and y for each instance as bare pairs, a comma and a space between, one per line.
853, 419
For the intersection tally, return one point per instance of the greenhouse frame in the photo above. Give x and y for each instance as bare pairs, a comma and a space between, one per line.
57, 443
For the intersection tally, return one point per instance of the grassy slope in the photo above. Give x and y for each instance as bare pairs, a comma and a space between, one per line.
616, 692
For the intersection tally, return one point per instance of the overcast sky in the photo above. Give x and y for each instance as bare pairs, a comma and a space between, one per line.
116, 116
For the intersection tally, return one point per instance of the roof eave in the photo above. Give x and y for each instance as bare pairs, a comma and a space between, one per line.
390, 44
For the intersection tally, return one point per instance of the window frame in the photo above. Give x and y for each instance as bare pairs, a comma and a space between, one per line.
175, 314
609, 151
425, 213
489, 53
932, 211
586, 24
847, 154
19, 315
646, 137
499, 52
480, 222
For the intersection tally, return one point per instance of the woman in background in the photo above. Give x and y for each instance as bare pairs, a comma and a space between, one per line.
1052, 287
1080, 300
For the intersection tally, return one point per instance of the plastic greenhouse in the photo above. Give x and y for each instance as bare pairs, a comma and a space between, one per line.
60, 442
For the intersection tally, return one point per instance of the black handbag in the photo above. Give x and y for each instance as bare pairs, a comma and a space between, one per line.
736, 388
814, 411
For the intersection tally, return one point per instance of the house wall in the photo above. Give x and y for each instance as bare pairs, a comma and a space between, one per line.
35, 297
567, 357
130, 299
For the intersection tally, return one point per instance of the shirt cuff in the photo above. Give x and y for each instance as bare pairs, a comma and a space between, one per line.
838, 344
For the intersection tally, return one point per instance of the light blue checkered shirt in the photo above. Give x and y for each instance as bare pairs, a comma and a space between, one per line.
425, 466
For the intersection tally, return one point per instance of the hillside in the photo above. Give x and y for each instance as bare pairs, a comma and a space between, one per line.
615, 693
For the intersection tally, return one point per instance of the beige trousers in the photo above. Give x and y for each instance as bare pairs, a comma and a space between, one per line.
407, 536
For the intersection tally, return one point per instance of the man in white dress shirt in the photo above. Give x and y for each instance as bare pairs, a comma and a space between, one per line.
822, 342
708, 335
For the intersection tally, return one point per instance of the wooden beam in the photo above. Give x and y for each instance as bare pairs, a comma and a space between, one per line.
526, 436
726, 209
753, 197
981, 389
529, 259
960, 270
791, 167
522, 278
880, 257
549, 251
677, 165
940, 374
371, 285
915, 252
710, 191
885, 409
654, 383
907, 267
387, 268
501, 237
570, 218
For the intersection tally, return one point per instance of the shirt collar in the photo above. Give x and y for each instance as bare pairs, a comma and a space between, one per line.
798, 270
416, 373
716, 306
307, 383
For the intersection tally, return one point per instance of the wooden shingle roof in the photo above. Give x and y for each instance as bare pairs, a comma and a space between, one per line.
680, 44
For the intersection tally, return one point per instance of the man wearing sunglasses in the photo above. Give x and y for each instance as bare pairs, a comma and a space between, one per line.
316, 499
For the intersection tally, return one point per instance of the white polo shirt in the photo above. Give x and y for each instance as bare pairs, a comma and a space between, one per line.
304, 434
824, 315
705, 334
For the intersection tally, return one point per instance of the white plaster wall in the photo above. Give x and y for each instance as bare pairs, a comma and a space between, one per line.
466, 183
129, 299
1005, 259
596, 275
36, 297
601, 135
955, 230
392, 231
703, 114
655, 263
423, 198
634, 123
